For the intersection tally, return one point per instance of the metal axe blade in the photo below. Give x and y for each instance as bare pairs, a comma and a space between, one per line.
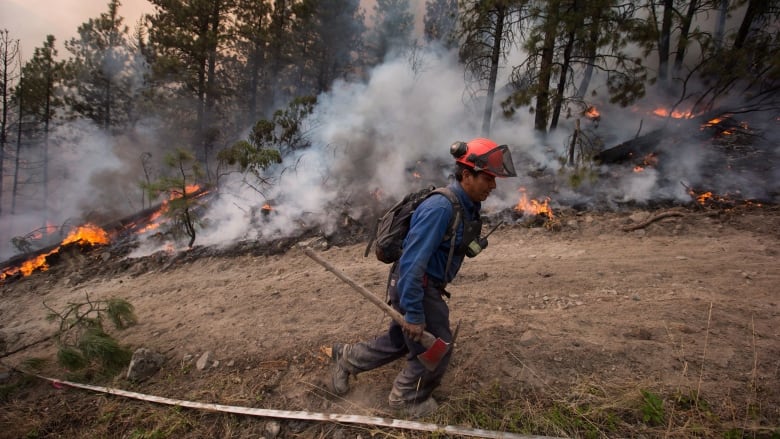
436, 348
433, 355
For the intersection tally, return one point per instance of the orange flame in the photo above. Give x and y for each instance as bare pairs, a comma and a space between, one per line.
592, 113
86, 234
648, 160
715, 122
663, 112
532, 206
47, 230
152, 223
712, 122
188, 190
723, 201
702, 198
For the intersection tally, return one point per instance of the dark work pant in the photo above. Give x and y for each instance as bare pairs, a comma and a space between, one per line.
414, 382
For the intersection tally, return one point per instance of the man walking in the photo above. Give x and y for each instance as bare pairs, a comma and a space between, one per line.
430, 260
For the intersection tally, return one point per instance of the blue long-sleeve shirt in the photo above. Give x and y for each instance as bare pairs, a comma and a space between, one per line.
426, 251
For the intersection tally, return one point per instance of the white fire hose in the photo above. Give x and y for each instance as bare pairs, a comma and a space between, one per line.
300, 415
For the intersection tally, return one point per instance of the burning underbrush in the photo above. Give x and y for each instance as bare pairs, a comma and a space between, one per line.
103, 253
732, 154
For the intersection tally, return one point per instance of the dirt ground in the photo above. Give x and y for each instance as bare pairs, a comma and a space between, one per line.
585, 315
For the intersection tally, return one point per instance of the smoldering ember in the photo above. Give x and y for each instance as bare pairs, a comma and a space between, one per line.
169, 187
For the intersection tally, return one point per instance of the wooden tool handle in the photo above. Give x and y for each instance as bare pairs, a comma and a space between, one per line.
427, 338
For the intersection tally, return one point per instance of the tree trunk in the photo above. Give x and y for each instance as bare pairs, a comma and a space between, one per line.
754, 9
15, 189
682, 42
579, 18
664, 41
720, 27
556, 114
211, 84
254, 73
573, 143
47, 116
545, 68
278, 39
107, 106
595, 30
6, 55
495, 57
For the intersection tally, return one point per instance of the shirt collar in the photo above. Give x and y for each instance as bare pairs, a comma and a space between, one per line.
471, 206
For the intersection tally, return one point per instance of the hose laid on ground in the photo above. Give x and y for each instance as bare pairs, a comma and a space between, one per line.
302, 415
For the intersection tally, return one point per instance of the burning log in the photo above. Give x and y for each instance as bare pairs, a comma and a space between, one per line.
639, 146
83, 237
702, 126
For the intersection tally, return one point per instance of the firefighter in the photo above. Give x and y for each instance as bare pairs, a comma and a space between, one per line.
418, 281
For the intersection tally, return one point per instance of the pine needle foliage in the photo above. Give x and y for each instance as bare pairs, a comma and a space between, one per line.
82, 338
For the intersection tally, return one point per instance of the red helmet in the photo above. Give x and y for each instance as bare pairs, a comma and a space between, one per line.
484, 155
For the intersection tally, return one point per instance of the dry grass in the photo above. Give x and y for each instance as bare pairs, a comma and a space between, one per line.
590, 408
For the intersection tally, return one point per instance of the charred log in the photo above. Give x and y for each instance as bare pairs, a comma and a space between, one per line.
632, 149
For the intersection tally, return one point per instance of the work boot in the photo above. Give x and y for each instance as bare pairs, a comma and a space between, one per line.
340, 378
412, 409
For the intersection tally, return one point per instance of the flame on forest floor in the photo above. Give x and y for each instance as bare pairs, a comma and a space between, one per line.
88, 234
152, 222
709, 199
649, 160
533, 206
674, 114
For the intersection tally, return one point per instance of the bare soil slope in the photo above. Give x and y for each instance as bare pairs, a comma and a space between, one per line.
561, 331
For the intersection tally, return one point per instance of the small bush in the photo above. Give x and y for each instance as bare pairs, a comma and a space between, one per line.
652, 408
82, 339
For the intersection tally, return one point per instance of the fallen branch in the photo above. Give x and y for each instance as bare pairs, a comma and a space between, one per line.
652, 219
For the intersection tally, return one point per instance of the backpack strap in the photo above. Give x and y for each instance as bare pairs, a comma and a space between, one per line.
457, 217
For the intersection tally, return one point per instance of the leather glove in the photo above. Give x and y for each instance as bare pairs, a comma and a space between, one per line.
413, 331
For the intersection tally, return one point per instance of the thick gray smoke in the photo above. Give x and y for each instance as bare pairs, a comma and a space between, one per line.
366, 137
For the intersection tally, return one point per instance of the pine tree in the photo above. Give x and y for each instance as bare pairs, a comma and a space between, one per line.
9, 74
40, 103
488, 30
440, 22
250, 65
186, 39
103, 70
329, 38
392, 31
